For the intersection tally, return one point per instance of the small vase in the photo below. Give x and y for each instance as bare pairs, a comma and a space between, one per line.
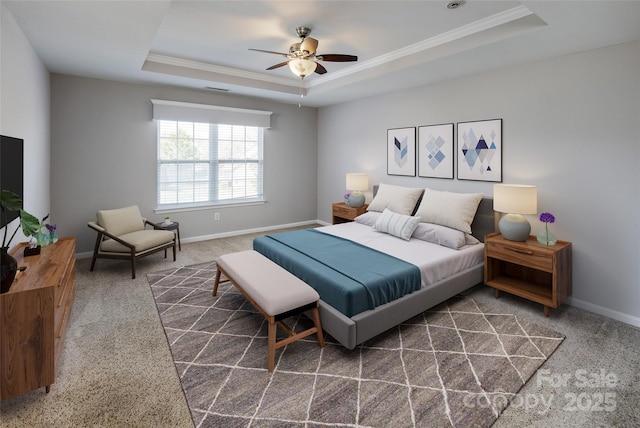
546, 238
43, 238
8, 269
53, 237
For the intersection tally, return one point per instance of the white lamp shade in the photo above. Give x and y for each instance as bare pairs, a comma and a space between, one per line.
515, 198
302, 67
357, 181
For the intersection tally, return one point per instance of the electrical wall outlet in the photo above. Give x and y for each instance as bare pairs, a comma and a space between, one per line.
216, 216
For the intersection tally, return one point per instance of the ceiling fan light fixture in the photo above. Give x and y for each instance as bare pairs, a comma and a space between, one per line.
302, 67
309, 46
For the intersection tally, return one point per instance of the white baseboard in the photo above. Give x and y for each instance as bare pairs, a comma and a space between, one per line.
248, 231
601, 310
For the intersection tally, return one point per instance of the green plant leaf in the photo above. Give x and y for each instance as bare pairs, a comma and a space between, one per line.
29, 223
9, 201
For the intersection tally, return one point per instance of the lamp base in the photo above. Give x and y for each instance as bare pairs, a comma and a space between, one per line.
356, 199
514, 227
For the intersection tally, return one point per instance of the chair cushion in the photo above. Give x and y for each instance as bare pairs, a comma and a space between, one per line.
142, 240
122, 220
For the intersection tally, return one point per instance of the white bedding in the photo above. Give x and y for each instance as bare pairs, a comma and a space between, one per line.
434, 261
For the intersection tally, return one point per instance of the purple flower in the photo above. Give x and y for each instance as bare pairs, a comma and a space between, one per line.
547, 218
51, 227
346, 195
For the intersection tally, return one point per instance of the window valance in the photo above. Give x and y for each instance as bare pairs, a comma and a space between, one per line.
204, 113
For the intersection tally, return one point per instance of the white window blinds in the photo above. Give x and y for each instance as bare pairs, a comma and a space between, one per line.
208, 163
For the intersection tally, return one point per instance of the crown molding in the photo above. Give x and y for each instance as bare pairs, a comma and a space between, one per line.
476, 27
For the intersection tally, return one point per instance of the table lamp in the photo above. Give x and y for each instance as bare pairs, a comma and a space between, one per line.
515, 200
356, 183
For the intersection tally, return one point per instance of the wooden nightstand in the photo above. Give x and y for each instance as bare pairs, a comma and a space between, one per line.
528, 269
343, 213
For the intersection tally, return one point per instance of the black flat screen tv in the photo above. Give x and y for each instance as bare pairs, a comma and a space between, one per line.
11, 170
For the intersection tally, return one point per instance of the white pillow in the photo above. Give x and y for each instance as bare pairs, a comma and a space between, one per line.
429, 232
455, 210
441, 235
399, 225
368, 219
401, 200
469, 239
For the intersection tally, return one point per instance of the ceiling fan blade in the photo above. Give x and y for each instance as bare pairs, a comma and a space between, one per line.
271, 52
320, 69
278, 65
309, 45
337, 58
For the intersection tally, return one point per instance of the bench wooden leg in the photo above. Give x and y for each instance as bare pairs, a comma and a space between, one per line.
316, 322
271, 345
215, 284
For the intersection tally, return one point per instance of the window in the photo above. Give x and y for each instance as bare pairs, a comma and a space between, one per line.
201, 164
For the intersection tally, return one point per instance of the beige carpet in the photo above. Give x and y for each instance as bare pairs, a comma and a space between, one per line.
455, 365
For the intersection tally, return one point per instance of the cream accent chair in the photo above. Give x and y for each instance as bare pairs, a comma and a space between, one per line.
122, 235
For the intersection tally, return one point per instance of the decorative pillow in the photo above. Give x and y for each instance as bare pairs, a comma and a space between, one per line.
470, 239
399, 225
455, 210
401, 200
429, 232
441, 235
368, 219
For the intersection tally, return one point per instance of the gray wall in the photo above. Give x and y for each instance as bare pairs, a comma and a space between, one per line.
571, 126
24, 113
104, 156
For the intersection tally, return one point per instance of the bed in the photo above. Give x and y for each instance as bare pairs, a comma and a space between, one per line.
428, 267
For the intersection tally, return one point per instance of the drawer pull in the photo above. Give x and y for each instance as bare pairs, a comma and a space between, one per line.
517, 250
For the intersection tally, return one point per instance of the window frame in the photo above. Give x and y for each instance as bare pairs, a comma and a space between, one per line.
214, 162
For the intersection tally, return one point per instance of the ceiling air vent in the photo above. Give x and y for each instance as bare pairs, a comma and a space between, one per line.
455, 4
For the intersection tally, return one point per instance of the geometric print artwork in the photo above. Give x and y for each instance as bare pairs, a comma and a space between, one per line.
457, 364
480, 150
435, 151
401, 151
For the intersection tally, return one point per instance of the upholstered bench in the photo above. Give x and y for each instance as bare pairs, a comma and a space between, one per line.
274, 292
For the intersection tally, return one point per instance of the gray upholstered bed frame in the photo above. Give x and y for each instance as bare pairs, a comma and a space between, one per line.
353, 331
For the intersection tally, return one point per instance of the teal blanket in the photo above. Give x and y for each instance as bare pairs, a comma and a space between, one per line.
350, 277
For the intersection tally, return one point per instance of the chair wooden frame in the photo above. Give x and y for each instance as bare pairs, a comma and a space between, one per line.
131, 255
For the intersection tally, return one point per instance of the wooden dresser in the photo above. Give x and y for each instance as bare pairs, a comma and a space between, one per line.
34, 315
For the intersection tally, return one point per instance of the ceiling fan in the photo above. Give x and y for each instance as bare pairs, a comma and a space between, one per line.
302, 57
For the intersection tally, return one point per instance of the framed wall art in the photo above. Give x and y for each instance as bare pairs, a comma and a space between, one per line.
480, 150
435, 151
401, 151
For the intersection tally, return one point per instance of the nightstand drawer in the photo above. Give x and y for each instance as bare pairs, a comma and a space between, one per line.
343, 213
523, 255
343, 210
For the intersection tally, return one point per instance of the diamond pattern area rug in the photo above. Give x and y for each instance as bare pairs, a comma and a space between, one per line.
454, 365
